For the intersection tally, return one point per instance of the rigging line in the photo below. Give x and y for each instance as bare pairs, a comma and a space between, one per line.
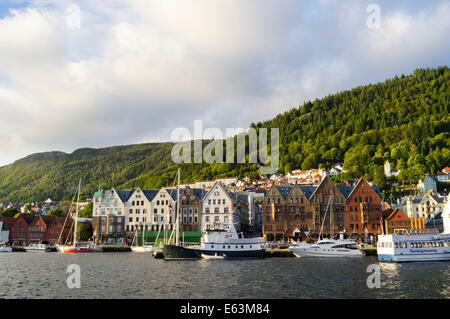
68, 214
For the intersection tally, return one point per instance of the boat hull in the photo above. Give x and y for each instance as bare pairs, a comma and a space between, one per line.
312, 252
234, 254
215, 257
145, 249
73, 250
174, 252
410, 258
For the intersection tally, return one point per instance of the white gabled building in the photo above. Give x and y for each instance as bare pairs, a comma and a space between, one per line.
426, 205
218, 208
446, 216
163, 209
427, 184
139, 208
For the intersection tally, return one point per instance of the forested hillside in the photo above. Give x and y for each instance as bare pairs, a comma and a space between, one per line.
404, 120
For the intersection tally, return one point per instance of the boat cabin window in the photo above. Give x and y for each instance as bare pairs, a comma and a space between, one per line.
242, 247
325, 243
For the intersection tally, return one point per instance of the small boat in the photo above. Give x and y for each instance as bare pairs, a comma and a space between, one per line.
37, 247
5, 249
72, 249
213, 257
143, 249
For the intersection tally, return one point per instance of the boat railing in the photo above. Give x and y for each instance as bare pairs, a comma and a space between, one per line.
411, 232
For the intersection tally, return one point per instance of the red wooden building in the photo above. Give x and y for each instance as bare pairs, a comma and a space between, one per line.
364, 210
27, 228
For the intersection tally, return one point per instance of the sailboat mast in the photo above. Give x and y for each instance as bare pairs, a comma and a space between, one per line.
331, 213
177, 219
76, 216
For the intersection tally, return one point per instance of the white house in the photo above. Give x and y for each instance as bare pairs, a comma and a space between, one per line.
446, 216
4, 232
138, 208
228, 181
218, 208
443, 177
164, 209
387, 170
422, 205
426, 185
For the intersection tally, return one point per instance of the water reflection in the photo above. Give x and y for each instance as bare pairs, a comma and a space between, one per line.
140, 276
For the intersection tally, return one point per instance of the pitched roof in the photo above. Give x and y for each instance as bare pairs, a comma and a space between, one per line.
150, 193
308, 190
28, 218
173, 193
124, 195
199, 193
284, 190
346, 190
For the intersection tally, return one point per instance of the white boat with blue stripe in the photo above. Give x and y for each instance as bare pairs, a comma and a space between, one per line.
413, 247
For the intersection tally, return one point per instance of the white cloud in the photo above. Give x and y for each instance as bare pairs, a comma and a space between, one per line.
136, 70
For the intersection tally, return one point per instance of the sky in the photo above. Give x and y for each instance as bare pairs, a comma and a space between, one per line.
87, 73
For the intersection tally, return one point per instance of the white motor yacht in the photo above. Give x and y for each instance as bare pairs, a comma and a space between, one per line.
327, 248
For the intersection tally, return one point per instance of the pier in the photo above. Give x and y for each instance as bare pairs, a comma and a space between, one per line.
115, 249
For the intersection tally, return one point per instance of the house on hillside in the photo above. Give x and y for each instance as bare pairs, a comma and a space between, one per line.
427, 184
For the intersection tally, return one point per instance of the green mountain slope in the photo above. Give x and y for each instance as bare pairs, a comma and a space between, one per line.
404, 120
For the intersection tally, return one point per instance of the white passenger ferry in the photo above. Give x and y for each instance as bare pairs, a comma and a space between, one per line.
413, 247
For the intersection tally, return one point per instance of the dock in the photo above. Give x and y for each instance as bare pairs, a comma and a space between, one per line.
369, 251
116, 249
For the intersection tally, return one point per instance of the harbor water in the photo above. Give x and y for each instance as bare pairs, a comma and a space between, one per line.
128, 275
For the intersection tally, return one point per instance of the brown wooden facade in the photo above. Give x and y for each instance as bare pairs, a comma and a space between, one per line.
365, 211
290, 211
191, 209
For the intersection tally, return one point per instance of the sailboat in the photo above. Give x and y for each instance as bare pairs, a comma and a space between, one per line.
144, 248
74, 248
178, 251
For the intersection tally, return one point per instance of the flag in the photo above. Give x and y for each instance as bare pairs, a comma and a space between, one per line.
366, 231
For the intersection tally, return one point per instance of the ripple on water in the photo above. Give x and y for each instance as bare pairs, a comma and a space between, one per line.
25, 275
